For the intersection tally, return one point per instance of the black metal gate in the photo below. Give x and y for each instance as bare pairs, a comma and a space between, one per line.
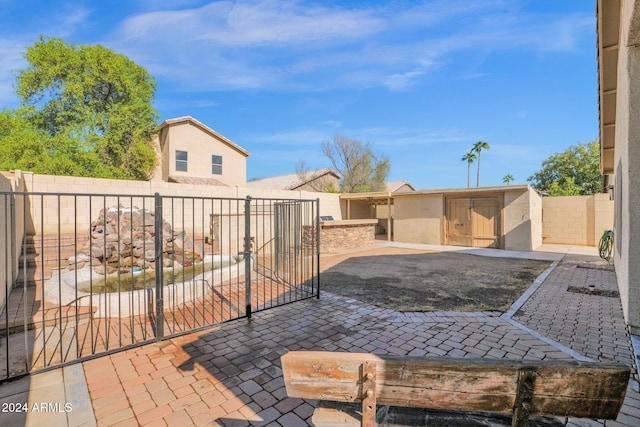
90, 274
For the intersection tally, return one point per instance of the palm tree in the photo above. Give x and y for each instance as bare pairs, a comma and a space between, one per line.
469, 158
508, 178
478, 147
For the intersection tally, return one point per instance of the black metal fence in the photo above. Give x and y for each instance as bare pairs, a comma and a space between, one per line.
89, 274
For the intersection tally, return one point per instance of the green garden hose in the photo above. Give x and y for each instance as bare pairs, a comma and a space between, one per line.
605, 248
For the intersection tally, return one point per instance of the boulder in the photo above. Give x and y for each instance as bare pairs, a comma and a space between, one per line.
125, 237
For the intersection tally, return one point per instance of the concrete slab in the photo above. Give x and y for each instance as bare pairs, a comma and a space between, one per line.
488, 252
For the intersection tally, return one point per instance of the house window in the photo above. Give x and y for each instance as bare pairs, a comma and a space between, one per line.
181, 161
216, 165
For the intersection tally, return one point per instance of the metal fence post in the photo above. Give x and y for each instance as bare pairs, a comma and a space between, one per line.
318, 245
158, 267
247, 255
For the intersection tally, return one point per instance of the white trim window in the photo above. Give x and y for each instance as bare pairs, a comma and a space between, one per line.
181, 161
216, 165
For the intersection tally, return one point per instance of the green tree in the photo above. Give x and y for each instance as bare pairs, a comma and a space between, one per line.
575, 171
85, 111
361, 169
469, 158
478, 147
508, 178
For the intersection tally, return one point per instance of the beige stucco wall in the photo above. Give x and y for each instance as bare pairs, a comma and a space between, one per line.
357, 209
418, 219
6, 231
200, 146
603, 216
519, 215
627, 172
576, 220
11, 208
535, 212
157, 173
166, 157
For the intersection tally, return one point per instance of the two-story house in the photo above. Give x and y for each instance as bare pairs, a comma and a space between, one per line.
191, 152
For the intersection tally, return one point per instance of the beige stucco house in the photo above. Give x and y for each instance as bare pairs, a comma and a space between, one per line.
190, 152
618, 45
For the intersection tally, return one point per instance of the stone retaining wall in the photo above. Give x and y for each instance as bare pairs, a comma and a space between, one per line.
335, 238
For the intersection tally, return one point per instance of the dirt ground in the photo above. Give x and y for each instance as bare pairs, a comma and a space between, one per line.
411, 280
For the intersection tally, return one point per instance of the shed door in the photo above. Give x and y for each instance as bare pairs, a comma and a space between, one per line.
473, 222
459, 222
485, 221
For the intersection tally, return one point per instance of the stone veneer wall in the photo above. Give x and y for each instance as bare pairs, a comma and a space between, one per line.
339, 237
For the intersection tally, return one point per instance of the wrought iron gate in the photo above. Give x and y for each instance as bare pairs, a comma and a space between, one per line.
90, 274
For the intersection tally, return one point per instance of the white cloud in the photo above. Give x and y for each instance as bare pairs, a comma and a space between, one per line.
297, 137
380, 137
252, 24
402, 81
296, 45
410, 139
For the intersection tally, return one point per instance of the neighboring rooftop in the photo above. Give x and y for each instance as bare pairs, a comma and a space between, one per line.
294, 181
193, 180
399, 186
297, 181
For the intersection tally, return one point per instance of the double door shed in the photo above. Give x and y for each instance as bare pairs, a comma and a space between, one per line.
506, 217
473, 221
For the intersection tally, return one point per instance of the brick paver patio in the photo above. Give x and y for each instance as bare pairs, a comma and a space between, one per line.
230, 374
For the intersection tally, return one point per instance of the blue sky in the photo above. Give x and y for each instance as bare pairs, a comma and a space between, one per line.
420, 80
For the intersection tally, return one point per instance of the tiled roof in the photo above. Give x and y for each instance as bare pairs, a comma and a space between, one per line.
195, 180
396, 185
290, 181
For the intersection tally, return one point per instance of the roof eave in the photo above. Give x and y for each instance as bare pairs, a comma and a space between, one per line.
608, 41
205, 128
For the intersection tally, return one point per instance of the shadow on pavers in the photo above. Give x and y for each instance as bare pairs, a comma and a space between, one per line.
400, 416
244, 357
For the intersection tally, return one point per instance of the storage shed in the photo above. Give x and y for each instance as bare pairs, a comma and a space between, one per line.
506, 217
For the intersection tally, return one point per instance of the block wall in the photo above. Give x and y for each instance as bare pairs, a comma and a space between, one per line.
576, 220
6, 232
12, 226
74, 209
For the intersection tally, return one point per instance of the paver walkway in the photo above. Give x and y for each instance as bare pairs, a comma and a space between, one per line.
230, 374
54, 338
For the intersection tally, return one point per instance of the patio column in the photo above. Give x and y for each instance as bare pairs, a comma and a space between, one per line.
389, 217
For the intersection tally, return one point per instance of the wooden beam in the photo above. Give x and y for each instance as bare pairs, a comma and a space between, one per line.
369, 394
563, 388
524, 396
389, 218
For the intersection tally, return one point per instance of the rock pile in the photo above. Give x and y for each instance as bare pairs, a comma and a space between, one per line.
123, 239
